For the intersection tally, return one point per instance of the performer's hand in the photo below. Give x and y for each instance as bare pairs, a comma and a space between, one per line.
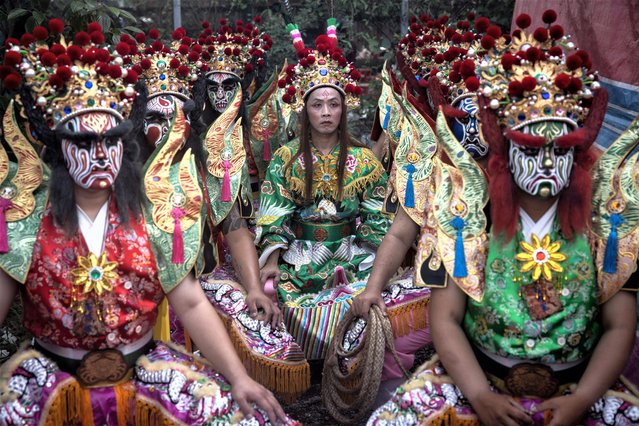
270, 270
247, 392
256, 300
497, 409
365, 300
566, 409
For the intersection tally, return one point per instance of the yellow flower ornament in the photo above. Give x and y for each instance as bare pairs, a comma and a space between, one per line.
542, 256
95, 274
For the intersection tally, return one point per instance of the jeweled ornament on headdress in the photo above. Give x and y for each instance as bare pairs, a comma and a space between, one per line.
69, 78
235, 51
538, 77
166, 68
323, 66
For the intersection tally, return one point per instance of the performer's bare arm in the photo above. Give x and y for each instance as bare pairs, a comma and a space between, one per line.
207, 330
389, 257
8, 290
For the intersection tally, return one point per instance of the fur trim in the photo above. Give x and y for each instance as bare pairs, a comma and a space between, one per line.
525, 139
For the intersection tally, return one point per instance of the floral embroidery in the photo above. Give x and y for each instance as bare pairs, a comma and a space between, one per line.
351, 163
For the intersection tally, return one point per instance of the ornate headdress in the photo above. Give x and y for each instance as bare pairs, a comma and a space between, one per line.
323, 66
234, 51
166, 68
537, 77
69, 77
433, 49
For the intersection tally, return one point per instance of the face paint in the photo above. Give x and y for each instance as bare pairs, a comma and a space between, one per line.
93, 164
466, 129
542, 171
324, 109
221, 88
160, 111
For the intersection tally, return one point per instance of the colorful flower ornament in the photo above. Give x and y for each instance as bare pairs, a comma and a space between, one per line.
95, 274
540, 257
169, 69
323, 66
537, 77
69, 78
235, 51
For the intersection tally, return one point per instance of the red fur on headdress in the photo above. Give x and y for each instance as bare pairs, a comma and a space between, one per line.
408, 73
452, 112
526, 139
436, 93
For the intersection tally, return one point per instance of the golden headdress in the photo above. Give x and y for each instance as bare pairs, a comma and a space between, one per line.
323, 66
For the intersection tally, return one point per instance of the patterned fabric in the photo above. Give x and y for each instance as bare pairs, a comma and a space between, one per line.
430, 397
505, 321
168, 386
313, 272
60, 312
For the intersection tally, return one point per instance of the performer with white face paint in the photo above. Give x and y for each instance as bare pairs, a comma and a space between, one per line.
93, 256
533, 303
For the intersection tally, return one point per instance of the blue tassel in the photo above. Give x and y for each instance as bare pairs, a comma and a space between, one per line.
460, 270
610, 255
409, 201
386, 117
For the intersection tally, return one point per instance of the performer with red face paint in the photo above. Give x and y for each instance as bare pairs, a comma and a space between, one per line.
93, 258
534, 319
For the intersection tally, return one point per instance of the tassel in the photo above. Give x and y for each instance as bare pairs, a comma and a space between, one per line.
266, 153
226, 182
331, 31
409, 200
4, 240
178, 243
386, 117
610, 255
294, 31
459, 270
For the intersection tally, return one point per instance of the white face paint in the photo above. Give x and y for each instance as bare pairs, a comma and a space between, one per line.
466, 129
221, 88
160, 111
542, 171
93, 164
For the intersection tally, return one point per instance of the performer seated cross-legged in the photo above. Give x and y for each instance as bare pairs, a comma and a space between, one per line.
532, 303
91, 254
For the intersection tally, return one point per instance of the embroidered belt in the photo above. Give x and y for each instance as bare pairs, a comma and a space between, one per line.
530, 378
105, 367
323, 231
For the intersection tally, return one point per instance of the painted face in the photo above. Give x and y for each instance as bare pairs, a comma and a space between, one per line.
93, 163
542, 171
466, 129
324, 109
221, 88
160, 111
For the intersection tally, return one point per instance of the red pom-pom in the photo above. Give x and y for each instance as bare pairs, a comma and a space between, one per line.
228, 51
97, 37
145, 63
281, 83
358, 91
249, 67
556, 32
125, 38
470, 16
456, 38
515, 89
222, 21
48, 59
11, 42
64, 59
88, 57
349, 88
439, 58
206, 56
40, 32
487, 42
467, 68
27, 39
131, 77
562, 81
157, 45
140, 37
154, 34
472, 83
575, 85
13, 58
494, 31
56, 26
453, 76
534, 54
103, 55
355, 75
94, 26
193, 56
541, 34
206, 24
183, 70
115, 71
523, 21
55, 81
196, 48
82, 38
529, 83
291, 90
549, 16
555, 51
257, 19
287, 98
583, 55
174, 63
64, 73
574, 61
12, 81
123, 48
